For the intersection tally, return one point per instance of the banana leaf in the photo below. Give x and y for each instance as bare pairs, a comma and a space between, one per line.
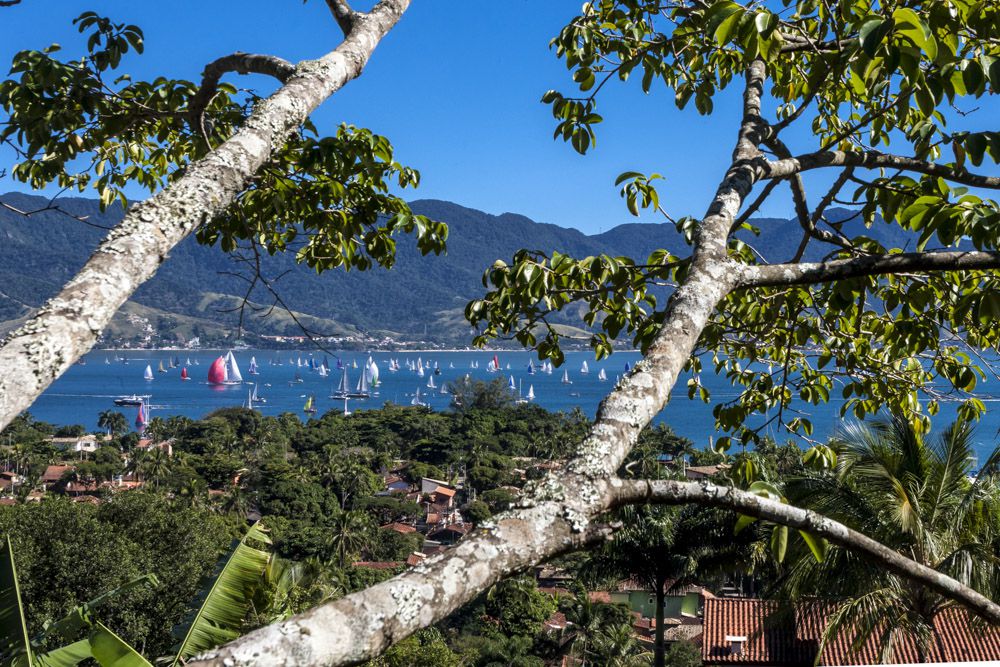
15, 648
110, 650
224, 604
69, 626
65, 656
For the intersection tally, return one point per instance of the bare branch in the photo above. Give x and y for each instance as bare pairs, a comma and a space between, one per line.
873, 160
673, 493
343, 14
241, 63
68, 325
872, 265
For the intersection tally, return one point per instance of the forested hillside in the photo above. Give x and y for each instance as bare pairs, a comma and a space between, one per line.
420, 297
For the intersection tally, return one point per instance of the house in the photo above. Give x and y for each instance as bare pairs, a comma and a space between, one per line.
163, 445
450, 533
704, 472
416, 558
54, 474
429, 486
395, 484
681, 603
755, 632
84, 444
400, 528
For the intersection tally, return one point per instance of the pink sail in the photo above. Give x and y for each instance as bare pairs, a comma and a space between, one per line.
217, 373
140, 419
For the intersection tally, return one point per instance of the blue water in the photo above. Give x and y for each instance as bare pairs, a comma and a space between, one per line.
86, 390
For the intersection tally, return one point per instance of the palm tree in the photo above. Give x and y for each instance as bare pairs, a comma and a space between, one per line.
349, 532
113, 421
616, 646
916, 496
154, 466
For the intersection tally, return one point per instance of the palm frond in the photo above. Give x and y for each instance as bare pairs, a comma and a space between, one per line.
15, 646
225, 603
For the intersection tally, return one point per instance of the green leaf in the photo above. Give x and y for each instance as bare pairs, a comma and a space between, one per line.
779, 542
66, 656
872, 32
817, 545
111, 651
742, 523
910, 25
219, 618
13, 628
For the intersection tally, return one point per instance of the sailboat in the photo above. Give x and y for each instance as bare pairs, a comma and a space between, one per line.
627, 367
531, 392
343, 388
107, 361
531, 368
323, 371
420, 370
297, 379
444, 390
148, 375
252, 368
565, 377
161, 369
512, 385
225, 370
416, 400
256, 398
141, 418
361, 389
187, 362
371, 372
430, 383
249, 403
584, 369
184, 374
354, 364
602, 376
308, 407
494, 364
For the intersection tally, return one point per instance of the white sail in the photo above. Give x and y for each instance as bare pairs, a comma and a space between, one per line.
232, 369
420, 371
252, 368
531, 392
584, 368
362, 386
416, 399
149, 372
512, 385
602, 375
371, 368
565, 377
430, 383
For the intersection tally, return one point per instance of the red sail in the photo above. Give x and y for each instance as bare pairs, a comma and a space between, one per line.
140, 419
217, 373
184, 373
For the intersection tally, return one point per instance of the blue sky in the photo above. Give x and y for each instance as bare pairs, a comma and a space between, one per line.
455, 86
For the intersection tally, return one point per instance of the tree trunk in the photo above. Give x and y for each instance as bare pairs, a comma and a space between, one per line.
661, 594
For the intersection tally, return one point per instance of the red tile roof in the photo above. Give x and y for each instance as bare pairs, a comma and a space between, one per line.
416, 558
55, 473
400, 527
785, 638
377, 565
444, 491
602, 597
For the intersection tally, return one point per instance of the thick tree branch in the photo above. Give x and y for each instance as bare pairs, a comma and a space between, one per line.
674, 493
872, 265
343, 14
873, 160
68, 325
557, 508
241, 63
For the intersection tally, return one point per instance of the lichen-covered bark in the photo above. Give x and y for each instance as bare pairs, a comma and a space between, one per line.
68, 325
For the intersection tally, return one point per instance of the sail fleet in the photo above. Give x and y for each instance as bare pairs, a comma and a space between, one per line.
352, 381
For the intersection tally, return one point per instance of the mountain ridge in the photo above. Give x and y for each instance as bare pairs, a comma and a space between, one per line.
419, 298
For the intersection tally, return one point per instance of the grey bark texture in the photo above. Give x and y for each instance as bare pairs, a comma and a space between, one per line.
68, 324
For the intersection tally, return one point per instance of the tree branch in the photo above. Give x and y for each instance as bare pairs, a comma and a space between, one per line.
673, 493
873, 160
558, 511
343, 14
68, 325
872, 265
241, 63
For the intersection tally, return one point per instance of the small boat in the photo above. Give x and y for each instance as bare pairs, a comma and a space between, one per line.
508, 366
254, 397
354, 364
494, 364
451, 365
602, 376
420, 370
627, 367
107, 361
297, 380
130, 401
584, 369
187, 362
531, 368
161, 369
430, 383
184, 374
140, 419
512, 385
444, 390
148, 375
565, 377
309, 408
416, 400
531, 392
252, 368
